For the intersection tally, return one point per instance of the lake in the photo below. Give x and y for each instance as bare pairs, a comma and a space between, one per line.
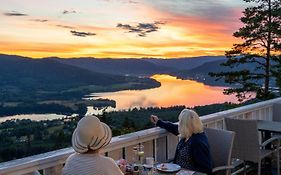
35, 117
172, 92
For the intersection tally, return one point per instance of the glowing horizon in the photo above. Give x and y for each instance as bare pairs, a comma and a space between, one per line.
118, 28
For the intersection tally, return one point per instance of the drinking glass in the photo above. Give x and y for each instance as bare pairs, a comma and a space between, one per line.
149, 161
136, 156
140, 153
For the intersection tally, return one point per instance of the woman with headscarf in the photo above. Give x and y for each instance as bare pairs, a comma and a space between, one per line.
88, 139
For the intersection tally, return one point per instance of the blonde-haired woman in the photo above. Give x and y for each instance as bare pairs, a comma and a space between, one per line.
193, 150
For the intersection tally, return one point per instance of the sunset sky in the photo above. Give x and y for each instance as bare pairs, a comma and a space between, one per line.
118, 28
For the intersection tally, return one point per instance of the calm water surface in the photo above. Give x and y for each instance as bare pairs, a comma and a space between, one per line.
36, 117
172, 92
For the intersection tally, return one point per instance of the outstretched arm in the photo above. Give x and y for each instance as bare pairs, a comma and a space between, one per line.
169, 126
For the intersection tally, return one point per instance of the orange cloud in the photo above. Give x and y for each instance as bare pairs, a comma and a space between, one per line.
37, 50
181, 36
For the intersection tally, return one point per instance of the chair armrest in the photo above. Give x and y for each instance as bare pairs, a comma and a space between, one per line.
274, 138
220, 168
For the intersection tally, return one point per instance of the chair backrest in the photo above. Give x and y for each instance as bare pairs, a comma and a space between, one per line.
276, 112
246, 144
221, 143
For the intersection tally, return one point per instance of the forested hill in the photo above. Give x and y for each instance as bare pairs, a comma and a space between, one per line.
23, 77
145, 66
46, 74
117, 66
200, 73
185, 63
62, 72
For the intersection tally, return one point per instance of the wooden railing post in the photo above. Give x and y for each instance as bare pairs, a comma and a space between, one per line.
161, 149
56, 170
172, 141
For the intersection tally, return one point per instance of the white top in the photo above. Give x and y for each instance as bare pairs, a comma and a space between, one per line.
90, 164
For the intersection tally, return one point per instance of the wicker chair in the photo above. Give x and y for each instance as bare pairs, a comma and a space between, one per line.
247, 146
221, 142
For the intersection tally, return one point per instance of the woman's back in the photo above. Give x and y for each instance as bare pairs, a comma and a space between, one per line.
194, 154
90, 164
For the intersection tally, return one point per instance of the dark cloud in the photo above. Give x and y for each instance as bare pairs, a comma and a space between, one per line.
15, 13
142, 29
65, 26
81, 34
40, 20
65, 12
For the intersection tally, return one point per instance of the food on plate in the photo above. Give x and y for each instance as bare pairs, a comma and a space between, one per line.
163, 167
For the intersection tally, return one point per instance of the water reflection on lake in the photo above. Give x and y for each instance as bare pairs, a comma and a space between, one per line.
172, 92
35, 117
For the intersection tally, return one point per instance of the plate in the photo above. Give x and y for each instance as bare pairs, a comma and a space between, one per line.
168, 167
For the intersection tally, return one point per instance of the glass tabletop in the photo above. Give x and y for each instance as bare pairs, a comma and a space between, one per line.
181, 172
271, 126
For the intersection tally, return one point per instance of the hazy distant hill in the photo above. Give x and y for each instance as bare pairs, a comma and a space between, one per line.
184, 63
39, 86
48, 74
117, 66
145, 66
25, 77
200, 73
59, 72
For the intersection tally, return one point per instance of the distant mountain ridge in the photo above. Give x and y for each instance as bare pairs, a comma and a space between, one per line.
201, 72
17, 70
116, 66
144, 66
22, 77
88, 70
196, 68
185, 63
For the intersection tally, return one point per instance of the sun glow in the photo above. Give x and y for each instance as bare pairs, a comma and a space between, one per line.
33, 31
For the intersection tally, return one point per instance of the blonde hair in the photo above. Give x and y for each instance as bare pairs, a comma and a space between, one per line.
189, 123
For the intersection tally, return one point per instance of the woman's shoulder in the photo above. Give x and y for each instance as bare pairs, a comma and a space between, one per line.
96, 163
99, 157
71, 157
107, 159
104, 159
199, 138
200, 135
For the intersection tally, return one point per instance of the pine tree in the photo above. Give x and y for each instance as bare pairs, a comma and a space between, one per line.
261, 35
277, 72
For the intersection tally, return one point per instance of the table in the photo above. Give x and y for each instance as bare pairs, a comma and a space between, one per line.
269, 126
181, 172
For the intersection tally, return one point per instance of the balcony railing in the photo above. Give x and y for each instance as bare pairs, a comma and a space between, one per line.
157, 142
